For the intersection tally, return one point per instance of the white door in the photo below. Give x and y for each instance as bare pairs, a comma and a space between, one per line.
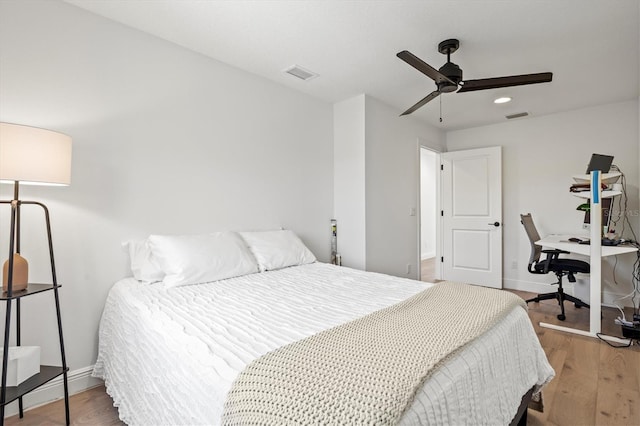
472, 216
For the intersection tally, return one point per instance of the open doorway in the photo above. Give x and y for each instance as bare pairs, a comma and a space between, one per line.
429, 181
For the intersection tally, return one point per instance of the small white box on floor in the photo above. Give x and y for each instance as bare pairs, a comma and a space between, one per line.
582, 289
24, 362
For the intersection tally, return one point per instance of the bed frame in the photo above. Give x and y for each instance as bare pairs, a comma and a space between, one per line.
520, 419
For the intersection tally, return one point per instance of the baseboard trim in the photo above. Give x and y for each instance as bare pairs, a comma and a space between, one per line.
531, 286
78, 381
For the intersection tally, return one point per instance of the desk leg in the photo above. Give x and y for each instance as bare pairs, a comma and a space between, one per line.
596, 253
595, 295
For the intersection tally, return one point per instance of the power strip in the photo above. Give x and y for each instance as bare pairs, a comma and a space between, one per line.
631, 332
620, 321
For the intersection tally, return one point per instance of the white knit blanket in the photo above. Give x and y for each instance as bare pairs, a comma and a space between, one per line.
366, 371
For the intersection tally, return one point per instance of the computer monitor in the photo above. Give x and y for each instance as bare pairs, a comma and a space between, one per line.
600, 162
606, 215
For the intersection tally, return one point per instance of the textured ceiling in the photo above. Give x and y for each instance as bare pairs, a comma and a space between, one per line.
591, 46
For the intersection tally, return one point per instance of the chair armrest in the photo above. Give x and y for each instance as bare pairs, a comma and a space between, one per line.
551, 256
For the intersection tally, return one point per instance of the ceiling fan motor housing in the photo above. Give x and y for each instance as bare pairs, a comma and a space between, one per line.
453, 73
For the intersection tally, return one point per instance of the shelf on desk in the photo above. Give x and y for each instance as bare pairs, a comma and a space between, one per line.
606, 178
604, 194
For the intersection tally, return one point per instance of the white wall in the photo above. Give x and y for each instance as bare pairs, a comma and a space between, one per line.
349, 180
392, 176
376, 173
540, 154
165, 141
428, 205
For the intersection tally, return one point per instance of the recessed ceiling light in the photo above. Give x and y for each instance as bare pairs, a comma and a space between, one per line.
502, 100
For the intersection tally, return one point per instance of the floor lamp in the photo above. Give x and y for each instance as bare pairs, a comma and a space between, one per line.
30, 156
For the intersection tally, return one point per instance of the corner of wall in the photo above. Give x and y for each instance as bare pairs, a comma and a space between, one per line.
349, 179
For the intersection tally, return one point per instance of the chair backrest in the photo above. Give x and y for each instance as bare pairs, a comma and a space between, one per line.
532, 233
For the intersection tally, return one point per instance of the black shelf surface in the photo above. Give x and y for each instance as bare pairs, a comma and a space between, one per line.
46, 374
31, 289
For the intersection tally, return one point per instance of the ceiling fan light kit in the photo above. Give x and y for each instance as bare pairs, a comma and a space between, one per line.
449, 77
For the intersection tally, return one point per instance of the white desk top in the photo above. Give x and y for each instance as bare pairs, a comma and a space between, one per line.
561, 242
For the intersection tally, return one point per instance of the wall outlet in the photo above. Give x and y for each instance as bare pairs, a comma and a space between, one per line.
514, 264
408, 268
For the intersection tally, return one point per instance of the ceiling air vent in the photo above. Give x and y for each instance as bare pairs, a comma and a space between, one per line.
518, 115
301, 73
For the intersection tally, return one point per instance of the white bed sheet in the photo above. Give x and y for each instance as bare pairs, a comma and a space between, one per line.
169, 356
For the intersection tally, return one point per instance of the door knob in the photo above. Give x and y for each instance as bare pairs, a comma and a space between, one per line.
496, 224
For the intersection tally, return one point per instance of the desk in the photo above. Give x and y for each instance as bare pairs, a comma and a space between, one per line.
561, 242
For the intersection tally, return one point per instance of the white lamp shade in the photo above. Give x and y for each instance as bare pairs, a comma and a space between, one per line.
34, 156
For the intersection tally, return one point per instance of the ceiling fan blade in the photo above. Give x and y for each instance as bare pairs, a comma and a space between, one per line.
423, 67
496, 82
424, 100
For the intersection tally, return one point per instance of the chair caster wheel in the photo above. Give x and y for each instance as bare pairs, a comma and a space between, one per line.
561, 317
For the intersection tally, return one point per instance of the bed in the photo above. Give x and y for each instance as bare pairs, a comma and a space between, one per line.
170, 354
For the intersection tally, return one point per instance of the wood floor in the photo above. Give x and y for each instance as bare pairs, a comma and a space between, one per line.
91, 407
428, 270
595, 384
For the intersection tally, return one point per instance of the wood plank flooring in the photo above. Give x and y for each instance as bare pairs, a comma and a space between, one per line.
428, 270
595, 384
91, 407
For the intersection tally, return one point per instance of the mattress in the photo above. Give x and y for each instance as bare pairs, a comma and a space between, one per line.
169, 356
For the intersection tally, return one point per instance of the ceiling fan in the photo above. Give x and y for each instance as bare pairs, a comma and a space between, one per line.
449, 77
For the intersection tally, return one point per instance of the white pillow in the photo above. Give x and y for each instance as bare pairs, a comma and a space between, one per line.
144, 266
194, 259
277, 249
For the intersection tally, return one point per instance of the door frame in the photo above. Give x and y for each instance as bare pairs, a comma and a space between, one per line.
424, 144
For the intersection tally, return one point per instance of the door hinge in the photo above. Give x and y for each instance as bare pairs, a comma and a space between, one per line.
441, 166
441, 212
442, 259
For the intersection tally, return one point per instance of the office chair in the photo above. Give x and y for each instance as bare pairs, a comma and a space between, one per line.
553, 263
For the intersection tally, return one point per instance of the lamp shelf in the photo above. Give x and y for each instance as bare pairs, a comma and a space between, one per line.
35, 156
31, 289
46, 374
